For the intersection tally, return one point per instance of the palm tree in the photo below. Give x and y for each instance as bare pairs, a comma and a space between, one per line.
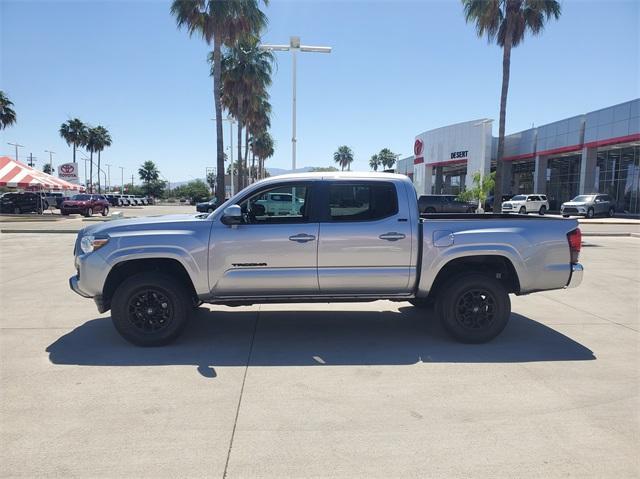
92, 143
344, 157
219, 23
7, 114
246, 74
262, 148
102, 141
74, 133
506, 22
47, 169
258, 121
374, 162
387, 158
148, 172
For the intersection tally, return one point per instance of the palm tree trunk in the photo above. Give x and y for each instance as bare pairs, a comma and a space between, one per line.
254, 172
246, 153
506, 67
98, 171
74, 153
241, 170
217, 62
91, 170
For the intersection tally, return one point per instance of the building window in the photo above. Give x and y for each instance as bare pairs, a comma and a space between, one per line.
563, 179
522, 177
618, 175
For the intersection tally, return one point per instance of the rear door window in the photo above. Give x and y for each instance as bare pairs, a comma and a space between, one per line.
362, 201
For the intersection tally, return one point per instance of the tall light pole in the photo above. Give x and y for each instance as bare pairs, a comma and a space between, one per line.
483, 147
108, 176
231, 123
51, 153
294, 46
121, 180
17, 146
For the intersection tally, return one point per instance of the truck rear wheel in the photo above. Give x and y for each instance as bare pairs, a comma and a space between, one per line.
473, 307
150, 309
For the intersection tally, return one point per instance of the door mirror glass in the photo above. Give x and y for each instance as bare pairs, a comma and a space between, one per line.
232, 215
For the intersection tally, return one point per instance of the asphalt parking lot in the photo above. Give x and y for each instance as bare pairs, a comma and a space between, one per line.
339, 390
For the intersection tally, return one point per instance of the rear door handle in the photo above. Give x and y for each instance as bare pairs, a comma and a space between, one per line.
302, 238
392, 236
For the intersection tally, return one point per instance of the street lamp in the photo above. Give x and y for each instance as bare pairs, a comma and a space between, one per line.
231, 122
51, 153
294, 46
483, 159
121, 179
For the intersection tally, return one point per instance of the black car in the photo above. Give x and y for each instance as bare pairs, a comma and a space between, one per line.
444, 204
114, 200
207, 206
18, 203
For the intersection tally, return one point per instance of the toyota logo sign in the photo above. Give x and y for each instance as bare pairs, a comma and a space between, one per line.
417, 147
68, 172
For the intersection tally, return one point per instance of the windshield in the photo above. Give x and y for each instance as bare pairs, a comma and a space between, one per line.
583, 198
81, 197
519, 198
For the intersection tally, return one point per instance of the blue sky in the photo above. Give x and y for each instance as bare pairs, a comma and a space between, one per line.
397, 69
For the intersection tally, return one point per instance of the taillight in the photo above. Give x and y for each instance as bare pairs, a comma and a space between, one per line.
575, 242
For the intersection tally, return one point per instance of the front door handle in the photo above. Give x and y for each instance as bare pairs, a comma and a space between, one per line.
392, 236
302, 238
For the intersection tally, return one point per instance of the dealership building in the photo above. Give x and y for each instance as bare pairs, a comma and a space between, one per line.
595, 152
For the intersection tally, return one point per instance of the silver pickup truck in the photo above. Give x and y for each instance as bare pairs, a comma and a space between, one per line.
344, 237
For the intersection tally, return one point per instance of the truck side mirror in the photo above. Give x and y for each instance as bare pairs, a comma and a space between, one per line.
232, 215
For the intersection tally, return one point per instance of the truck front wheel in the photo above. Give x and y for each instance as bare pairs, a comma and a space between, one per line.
150, 309
473, 308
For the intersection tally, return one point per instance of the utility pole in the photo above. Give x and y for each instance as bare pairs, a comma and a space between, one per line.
51, 153
31, 160
121, 180
17, 146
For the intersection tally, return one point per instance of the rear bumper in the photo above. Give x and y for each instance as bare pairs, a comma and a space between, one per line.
575, 279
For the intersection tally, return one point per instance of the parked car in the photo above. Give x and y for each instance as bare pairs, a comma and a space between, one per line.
589, 206
86, 205
524, 204
488, 204
113, 200
444, 204
140, 200
26, 202
150, 272
279, 203
207, 206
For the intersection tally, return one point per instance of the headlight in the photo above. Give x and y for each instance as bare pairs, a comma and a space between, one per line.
90, 243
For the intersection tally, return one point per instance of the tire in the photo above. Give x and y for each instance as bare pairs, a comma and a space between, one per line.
169, 301
612, 212
543, 210
590, 213
522, 211
462, 302
565, 216
89, 213
105, 211
422, 303
16, 210
210, 210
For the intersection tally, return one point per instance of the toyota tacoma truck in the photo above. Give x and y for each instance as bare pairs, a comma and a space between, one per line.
343, 237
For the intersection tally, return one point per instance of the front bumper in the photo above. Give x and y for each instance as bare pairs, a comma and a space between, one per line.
575, 279
75, 287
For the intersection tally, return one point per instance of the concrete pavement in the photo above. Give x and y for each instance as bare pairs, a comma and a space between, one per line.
319, 390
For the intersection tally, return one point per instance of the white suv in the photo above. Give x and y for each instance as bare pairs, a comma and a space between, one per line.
524, 204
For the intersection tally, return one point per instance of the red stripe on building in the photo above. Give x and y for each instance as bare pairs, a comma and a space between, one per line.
556, 151
418, 160
612, 141
448, 162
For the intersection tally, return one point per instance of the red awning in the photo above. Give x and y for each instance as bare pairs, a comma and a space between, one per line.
18, 175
